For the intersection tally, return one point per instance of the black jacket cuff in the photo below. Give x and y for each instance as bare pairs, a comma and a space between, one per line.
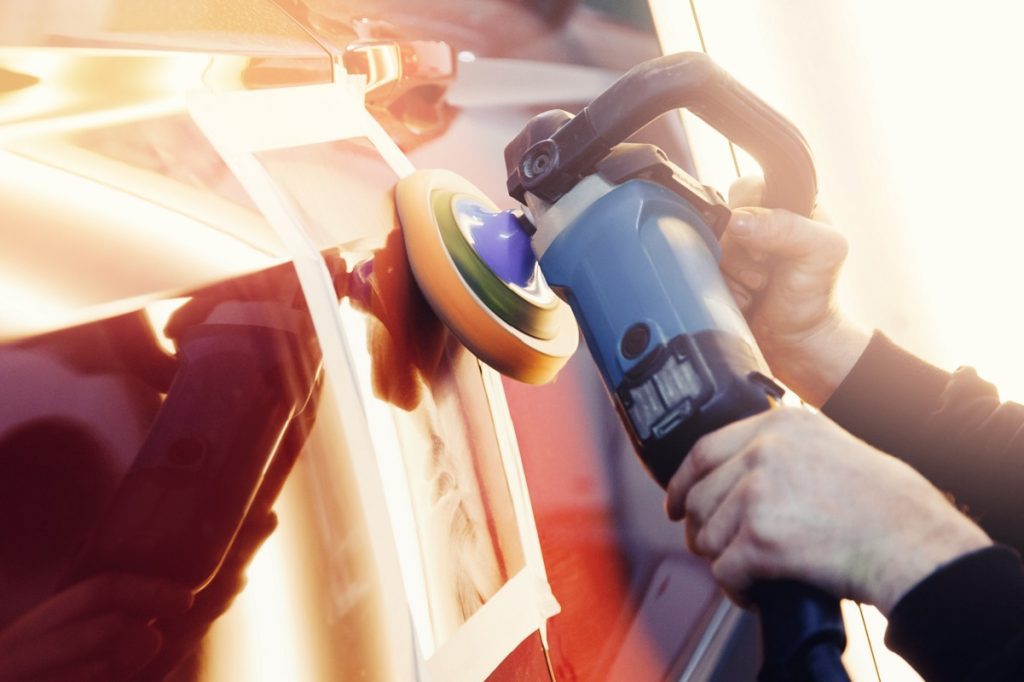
960, 621
886, 395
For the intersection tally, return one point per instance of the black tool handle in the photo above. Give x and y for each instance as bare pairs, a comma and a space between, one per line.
550, 167
802, 633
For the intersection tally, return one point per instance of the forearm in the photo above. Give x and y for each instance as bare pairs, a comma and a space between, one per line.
816, 365
914, 556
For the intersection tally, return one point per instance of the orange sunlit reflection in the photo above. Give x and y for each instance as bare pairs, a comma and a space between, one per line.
73, 252
25, 307
46, 91
268, 617
312, 608
73, 88
157, 315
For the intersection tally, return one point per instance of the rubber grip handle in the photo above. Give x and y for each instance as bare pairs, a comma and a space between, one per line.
692, 81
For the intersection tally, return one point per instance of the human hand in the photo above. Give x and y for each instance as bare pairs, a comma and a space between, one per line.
787, 494
782, 269
97, 629
182, 633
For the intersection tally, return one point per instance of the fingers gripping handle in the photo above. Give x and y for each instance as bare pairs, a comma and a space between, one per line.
551, 166
802, 627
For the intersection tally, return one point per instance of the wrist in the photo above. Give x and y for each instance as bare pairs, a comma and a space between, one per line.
815, 364
918, 560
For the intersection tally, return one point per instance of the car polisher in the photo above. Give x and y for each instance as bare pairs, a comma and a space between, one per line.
629, 241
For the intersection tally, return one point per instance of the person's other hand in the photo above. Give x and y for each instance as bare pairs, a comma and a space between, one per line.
782, 269
182, 633
98, 629
787, 494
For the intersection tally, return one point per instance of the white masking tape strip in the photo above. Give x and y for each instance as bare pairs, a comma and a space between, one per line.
508, 445
394, 157
475, 650
338, 115
260, 120
396, 496
239, 124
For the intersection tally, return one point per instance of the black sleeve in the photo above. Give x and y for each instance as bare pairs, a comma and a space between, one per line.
950, 427
965, 621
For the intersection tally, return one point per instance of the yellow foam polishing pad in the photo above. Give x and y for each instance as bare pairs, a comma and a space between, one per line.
497, 304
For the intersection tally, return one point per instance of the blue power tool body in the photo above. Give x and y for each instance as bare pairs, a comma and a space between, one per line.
630, 242
639, 268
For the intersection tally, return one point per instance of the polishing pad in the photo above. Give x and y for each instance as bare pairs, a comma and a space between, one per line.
475, 267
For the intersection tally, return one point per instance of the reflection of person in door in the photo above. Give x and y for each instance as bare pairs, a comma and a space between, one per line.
65, 442
467, 532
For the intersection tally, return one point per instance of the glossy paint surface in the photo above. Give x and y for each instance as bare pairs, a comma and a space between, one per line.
119, 215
